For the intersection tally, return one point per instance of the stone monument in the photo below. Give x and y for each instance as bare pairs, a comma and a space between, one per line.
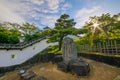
69, 50
71, 62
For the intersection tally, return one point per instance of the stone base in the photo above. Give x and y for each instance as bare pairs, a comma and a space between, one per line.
79, 67
63, 66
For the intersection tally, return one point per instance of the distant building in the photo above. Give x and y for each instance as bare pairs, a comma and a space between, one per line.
45, 28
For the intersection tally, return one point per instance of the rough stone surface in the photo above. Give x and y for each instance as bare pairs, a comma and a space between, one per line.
69, 50
70, 59
77, 66
80, 67
57, 58
63, 66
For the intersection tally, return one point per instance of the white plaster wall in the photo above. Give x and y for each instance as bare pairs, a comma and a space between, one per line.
21, 55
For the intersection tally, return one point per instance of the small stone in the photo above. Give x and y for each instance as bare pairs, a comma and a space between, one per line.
42, 68
28, 75
39, 78
117, 78
22, 71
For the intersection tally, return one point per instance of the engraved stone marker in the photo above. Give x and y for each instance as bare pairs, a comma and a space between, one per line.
69, 50
70, 60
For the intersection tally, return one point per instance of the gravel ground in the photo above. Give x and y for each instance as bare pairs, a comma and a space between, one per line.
99, 71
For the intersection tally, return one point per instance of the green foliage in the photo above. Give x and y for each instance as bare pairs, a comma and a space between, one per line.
33, 36
63, 27
115, 34
9, 36
29, 37
101, 28
13, 39
15, 32
81, 41
51, 49
37, 34
29, 29
77, 42
54, 49
3, 38
79, 31
13, 56
46, 31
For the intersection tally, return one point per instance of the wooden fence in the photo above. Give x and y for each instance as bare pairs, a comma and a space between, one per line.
109, 47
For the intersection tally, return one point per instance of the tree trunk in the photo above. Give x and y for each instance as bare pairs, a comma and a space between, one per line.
60, 41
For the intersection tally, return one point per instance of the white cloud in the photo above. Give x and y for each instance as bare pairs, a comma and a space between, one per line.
66, 6
8, 14
37, 2
83, 14
85, 11
44, 6
48, 20
53, 4
43, 11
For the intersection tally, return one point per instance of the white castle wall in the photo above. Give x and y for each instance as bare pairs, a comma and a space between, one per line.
20, 56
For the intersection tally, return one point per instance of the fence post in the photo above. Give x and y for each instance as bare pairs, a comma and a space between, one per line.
112, 46
115, 46
100, 48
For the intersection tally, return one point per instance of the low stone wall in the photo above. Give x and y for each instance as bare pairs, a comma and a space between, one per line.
111, 60
36, 59
16, 57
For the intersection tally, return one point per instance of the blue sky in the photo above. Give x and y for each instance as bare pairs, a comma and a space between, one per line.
45, 12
